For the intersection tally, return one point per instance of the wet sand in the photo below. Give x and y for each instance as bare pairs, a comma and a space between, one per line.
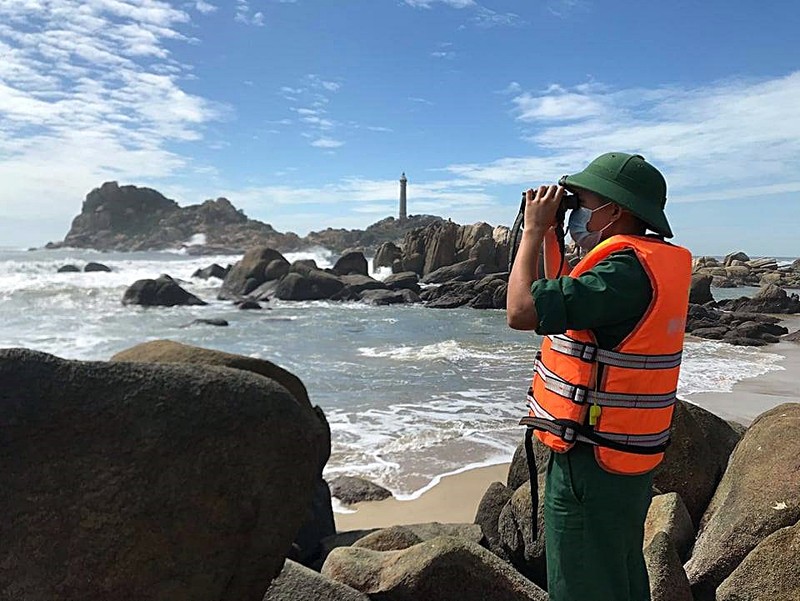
456, 498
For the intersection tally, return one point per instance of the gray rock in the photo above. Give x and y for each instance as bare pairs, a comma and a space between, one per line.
351, 263
487, 517
163, 292
249, 273
692, 467
386, 255
668, 580
143, 481
299, 583
722, 436
516, 535
389, 297
314, 285
442, 569
711, 333
668, 514
757, 495
340, 539
700, 289
360, 283
249, 305
212, 271
462, 271
214, 321
395, 538
92, 267
518, 470
276, 269
737, 256
406, 280
769, 299
351, 489
69, 269
770, 572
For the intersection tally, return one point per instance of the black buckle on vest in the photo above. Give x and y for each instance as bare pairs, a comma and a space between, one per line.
580, 395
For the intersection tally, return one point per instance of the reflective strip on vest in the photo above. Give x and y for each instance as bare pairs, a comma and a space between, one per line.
580, 394
589, 352
546, 421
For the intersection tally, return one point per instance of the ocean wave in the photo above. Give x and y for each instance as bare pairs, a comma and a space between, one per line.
448, 350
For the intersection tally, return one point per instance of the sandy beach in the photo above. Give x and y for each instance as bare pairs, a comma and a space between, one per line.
456, 498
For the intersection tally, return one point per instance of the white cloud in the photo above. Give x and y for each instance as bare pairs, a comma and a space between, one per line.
88, 92
446, 54
327, 143
431, 3
737, 138
205, 7
244, 14
419, 100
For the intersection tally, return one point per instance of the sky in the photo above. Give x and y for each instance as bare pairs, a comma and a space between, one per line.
304, 113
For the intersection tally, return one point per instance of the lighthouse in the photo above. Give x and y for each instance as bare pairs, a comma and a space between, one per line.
403, 184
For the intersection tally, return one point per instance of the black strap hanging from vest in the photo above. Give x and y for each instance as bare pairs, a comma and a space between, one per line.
534, 482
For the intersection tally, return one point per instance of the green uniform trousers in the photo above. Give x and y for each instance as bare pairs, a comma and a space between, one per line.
594, 528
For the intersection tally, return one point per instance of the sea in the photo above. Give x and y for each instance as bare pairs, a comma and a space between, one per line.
412, 394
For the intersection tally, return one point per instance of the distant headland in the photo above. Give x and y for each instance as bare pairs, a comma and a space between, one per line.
132, 218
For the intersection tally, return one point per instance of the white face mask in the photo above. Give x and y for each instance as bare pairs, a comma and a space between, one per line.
578, 220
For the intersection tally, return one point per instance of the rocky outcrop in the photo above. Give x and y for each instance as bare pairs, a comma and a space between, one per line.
124, 218
351, 263
516, 534
162, 292
445, 243
770, 299
386, 255
758, 495
740, 328
738, 269
488, 515
351, 489
487, 293
385, 230
770, 572
442, 569
69, 269
144, 481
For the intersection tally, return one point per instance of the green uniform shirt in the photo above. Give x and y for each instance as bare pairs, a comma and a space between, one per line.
609, 299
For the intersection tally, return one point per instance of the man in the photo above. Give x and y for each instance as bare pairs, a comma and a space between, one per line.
605, 379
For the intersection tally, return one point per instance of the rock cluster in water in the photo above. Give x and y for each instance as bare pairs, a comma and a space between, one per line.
203, 470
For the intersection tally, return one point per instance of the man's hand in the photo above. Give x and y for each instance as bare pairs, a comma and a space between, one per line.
541, 206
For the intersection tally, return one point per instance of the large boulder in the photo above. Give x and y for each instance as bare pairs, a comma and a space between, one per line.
759, 494
429, 248
488, 515
770, 572
516, 534
700, 289
735, 256
69, 269
518, 472
386, 255
319, 523
463, 271
359, 283
397, 538
249, 273
299, 583
312, 285
442, 569
693, 463
351, 263
143, 481
405, 280
389, 297
668, 580
162, 292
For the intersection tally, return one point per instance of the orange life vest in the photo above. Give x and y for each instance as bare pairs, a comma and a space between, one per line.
619, 400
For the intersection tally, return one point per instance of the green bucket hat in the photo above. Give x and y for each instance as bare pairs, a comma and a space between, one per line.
629, 181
